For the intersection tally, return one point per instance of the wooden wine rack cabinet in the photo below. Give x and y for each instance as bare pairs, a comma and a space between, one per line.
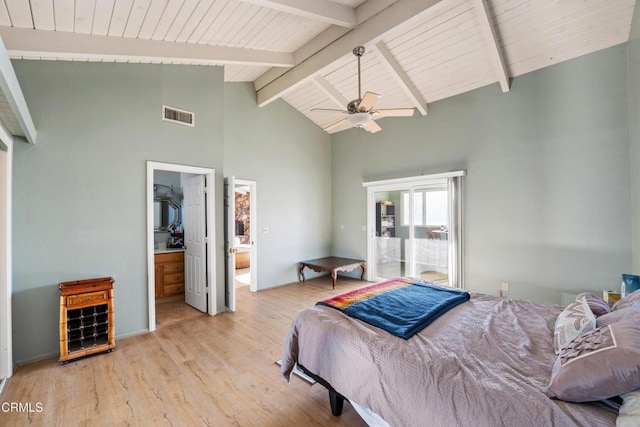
86, 318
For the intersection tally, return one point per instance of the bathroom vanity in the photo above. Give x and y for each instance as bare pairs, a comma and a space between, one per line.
169, 272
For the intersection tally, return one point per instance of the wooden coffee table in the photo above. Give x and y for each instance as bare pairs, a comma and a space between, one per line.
332, 264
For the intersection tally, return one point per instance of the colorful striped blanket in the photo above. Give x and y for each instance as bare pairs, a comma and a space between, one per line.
402, 306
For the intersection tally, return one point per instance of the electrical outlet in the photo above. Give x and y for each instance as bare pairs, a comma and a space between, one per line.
505, 286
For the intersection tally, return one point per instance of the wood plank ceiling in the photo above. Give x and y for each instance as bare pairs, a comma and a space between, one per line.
418, 51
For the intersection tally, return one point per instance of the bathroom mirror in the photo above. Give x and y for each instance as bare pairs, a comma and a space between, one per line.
166, 213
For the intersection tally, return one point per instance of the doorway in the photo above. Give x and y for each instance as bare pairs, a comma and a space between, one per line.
240, 238
197, 242
415, 228
245, 234
6, 364
178, 217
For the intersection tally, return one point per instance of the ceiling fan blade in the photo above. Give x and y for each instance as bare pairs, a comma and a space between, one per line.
396, 112
373, 127
368, 100
329, 110
336, 125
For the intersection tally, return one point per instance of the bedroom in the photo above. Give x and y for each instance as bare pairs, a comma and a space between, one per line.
560, 131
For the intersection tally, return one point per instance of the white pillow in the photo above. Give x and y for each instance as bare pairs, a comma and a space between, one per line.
576, 319
629, 415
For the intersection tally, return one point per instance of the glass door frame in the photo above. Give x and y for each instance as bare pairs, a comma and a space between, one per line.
409, 184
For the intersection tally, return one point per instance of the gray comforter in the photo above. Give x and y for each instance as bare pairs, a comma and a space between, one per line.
486, 362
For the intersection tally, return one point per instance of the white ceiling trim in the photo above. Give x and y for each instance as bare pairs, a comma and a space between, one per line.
28, 42
391, 64
13, 94
368, 32
332, 93
319, 10
491, 41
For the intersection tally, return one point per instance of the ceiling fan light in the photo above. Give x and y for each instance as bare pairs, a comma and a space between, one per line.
359, 119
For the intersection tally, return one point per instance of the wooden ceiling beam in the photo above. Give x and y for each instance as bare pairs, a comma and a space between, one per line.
317, 43
400, 76
331, 92
10, 87
56, 44
6, 138
363, 12
318, 10
369, 32
488, 31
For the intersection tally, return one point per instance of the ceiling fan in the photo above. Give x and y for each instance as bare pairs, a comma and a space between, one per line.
360, 112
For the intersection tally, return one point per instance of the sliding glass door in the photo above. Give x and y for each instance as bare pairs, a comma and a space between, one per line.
389, 237
415, 229
429, 249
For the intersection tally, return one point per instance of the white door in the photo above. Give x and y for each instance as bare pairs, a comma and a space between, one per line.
6, 364
253, 238
229, 242
195, 240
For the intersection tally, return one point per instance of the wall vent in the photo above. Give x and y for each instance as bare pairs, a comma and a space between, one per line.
176, 115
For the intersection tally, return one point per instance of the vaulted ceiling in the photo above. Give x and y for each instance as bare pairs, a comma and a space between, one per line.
417, 51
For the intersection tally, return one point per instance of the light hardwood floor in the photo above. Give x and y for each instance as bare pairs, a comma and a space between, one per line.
208, 370
173, 309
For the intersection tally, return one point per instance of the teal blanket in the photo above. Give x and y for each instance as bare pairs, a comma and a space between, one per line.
401, 306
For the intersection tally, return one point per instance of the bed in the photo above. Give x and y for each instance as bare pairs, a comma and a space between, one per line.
486, 362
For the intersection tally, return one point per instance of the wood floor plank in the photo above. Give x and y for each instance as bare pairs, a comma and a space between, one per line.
203, 370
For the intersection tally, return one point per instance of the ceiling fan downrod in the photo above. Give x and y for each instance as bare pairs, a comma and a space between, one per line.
359, 51
360, 112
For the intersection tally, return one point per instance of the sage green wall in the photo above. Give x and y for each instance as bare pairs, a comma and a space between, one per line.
634, 121
79, 194
547, 201
289, 157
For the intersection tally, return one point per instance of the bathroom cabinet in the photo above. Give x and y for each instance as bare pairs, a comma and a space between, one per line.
169, 272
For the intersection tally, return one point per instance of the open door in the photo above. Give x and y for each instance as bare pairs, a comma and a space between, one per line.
6, 363
229, 242
195, 240
242, 186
